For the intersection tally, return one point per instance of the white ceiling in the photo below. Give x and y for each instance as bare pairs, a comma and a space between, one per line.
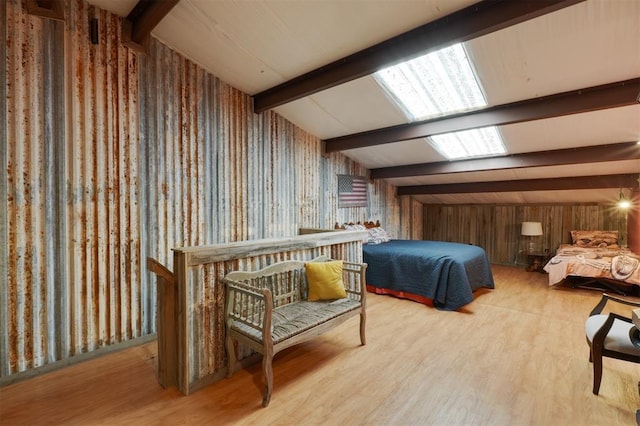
255, 45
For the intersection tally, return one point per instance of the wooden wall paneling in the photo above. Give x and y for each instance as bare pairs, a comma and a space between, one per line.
477, 220
453, 220
551, 227
633, 223
426, 220
497, 228
495, 233
578, 219
464, 221
594, 217
587, 217
432, 221
491, 218
417, 221
567, 224
611, 218
553, 224
456, 220
405, 214
429, 219
473, 225
443, 224
617, 217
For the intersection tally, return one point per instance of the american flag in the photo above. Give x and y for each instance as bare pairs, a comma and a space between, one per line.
352, 191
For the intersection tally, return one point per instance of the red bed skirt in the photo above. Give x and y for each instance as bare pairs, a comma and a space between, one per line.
401, 295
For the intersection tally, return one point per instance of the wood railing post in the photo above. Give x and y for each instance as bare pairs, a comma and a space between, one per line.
166, 302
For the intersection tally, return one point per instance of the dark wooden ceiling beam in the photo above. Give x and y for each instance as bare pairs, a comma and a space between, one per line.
471, 22
612, 95
143, 18
547, 184
590, 154
52, 9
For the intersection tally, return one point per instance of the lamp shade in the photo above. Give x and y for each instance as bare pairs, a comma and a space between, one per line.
531, 228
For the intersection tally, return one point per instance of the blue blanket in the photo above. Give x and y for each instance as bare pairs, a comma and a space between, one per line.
445, 272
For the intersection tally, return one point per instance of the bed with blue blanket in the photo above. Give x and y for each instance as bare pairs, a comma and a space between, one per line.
438, 273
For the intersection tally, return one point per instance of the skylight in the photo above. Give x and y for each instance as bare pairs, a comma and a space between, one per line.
435, 84
438, 84
482, 142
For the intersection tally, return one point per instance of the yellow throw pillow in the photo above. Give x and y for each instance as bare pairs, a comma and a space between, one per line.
325, 280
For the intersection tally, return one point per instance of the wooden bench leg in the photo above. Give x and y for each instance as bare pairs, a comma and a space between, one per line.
363, 323
267, 369
231, 355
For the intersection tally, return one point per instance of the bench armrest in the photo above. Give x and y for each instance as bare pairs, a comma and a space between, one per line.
248, 306
354, 278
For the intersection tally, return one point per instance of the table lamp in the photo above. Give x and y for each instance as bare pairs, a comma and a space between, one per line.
531, 229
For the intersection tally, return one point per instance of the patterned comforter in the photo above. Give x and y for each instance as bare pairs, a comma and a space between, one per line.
610, 263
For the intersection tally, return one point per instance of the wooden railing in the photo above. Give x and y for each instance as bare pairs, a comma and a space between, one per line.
191, 299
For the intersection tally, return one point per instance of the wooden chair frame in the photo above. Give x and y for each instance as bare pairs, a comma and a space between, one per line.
596, 348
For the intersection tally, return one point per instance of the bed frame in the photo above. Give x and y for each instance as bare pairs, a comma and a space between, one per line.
603, 284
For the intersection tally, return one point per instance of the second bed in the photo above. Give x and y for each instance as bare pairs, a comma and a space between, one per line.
437, 273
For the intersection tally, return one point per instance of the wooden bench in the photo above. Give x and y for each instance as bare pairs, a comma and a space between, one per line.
267, 310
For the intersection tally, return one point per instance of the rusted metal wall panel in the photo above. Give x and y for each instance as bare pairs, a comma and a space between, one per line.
5, 368
256, 176
105, 295
32, 283
111, 158
72, 282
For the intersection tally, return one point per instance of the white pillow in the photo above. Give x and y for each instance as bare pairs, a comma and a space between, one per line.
378, 236
358, 227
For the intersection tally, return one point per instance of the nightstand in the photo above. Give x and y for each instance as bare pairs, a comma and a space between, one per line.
536, 260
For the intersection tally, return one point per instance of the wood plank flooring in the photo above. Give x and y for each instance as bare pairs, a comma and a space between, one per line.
517, 355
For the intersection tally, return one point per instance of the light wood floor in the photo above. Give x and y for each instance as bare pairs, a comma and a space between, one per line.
516, 356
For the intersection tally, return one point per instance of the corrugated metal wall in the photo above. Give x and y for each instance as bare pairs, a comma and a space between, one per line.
5, 362
33, 192
497, 228
4, 199
226, 174
105, 296
113, 157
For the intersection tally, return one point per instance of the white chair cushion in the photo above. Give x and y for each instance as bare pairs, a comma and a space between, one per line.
618, 337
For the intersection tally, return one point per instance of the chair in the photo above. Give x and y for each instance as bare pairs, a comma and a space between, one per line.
611, 335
